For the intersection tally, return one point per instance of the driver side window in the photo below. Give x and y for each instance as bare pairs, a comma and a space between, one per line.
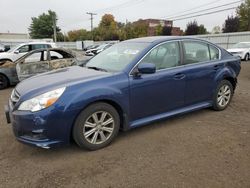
164, 56
36, 57
24, 49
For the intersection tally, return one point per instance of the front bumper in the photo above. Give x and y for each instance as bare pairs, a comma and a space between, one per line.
46, 129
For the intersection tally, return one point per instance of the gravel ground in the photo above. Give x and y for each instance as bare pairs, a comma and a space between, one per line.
200, 149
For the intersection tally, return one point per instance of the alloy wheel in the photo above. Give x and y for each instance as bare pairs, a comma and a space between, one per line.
224, 95
98, 127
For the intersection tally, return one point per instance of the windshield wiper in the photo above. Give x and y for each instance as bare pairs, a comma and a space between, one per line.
97, 68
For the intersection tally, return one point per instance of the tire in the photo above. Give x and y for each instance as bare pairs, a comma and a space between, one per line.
4, 82
247, 57
96, 126
223, 95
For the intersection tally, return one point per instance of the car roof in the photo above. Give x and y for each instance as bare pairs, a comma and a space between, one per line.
159, 39
38, 42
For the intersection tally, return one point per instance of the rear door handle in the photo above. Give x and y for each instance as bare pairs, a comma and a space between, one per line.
179, 76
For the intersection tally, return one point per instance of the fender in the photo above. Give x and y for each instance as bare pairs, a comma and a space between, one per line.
225, 72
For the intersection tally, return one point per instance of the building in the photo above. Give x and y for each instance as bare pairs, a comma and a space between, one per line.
13, 36
154, 23
12, 39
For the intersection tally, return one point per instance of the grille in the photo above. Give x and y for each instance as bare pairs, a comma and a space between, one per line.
14, 97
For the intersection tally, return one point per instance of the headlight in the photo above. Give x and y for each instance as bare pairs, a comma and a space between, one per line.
42, 101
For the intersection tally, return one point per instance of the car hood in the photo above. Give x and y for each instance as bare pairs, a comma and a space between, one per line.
58, 78
236, 49
4, 55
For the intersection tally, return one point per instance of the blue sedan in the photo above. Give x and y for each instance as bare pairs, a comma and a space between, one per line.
130, 84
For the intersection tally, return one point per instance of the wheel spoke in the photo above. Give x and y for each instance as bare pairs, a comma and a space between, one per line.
107, 129
219, 99
103, 137
110, 120
94, 116
225, 89
227, 97
90, 125
93, 140
220, 102
90, 132
223, 101
104, 114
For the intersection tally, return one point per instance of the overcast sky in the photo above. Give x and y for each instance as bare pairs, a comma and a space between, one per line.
16, 14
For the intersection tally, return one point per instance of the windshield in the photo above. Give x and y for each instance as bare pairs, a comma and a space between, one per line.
242, 45
14, 48
117, 57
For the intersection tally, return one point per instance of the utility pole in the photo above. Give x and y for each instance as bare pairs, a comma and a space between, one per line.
91, 19
54, 27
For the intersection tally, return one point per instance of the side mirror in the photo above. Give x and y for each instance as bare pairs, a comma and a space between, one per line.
146, 68
16, 51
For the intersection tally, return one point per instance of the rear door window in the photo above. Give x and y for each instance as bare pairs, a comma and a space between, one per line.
36, 57
195, 52
38, 46
214, 52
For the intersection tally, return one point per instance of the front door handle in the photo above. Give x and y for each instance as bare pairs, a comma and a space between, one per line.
179, 76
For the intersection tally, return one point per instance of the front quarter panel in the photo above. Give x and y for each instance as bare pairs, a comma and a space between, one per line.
113, 88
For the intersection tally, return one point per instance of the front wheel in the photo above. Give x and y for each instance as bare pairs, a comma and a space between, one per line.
96, 126
3, 82
247, 57
223, 95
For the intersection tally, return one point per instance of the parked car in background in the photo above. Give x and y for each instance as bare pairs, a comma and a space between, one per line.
95, 51
91, 47
2, 48
130, 84
36, 62
18, 51
241, 49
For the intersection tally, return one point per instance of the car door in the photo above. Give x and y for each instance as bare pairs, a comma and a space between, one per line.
162, 91
32, 64
201, 62
60, 58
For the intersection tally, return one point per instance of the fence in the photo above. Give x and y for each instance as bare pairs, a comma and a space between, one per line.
225, 40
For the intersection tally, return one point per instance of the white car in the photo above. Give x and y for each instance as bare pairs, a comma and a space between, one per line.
95, 51
241, 49
18, 51
1, 47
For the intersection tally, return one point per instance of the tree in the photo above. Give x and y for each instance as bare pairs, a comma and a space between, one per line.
167, 30
243, 12
107, 29
80, 34
216, 30
42, 26
158, 29
202, 30
192, 28
231, 24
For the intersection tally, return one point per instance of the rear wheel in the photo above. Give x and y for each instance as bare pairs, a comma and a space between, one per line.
223, 95
3, 82
96, 126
